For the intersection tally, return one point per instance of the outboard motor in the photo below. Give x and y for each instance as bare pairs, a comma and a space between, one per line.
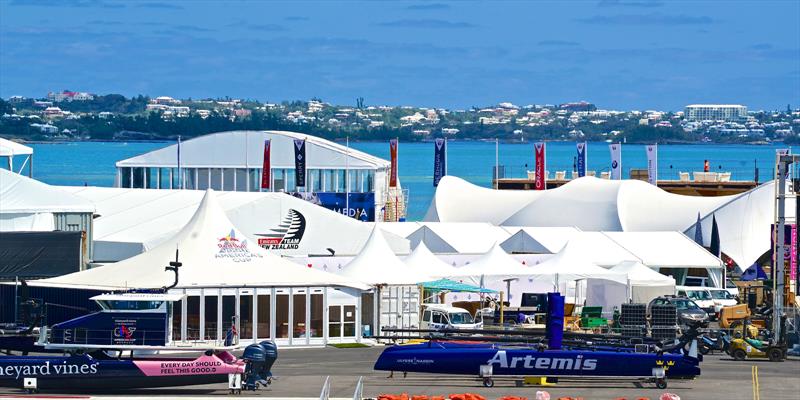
259, 359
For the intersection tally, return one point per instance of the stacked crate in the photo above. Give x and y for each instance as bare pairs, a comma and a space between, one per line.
664, 321
633, 320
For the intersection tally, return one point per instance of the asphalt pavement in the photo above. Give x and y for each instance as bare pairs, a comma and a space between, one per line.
302, 373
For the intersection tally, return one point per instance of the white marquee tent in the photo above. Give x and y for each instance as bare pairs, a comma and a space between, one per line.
462, 238
538, 240
494, 263
426, 263
592, 204
214, 253
131, 221
644, 283
10, 149
30, 205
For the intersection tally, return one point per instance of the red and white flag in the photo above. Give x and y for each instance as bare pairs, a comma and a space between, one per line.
265, 171
393, 153
539, 148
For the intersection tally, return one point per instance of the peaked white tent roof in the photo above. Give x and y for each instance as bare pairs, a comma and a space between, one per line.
463, 238
135, 220
425, 262
376, 264
9, 148
457, 200
600, 249
241, 149
214, 253
539, 240
20, 194
593, 204
572, 263
665, 249
640, 274
493, 263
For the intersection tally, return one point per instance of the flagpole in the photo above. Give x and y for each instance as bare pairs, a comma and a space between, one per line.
180, 172
496, 162
347, 177
246, 169
445, 157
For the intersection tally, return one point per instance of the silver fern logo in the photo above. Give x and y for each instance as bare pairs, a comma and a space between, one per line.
287, 235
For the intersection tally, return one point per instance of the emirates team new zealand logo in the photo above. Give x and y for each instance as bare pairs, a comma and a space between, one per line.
287, 235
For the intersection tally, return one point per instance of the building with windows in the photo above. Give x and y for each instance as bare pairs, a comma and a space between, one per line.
338, 178
715, 112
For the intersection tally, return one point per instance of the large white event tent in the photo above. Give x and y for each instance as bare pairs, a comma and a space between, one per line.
394, 301
10, 149
458, 238
593, 204
131, 221
425, 262
644, 283
493, 263
225, 275
30, 205
537, 240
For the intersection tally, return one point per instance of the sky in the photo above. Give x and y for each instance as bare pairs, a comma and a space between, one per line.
618, 54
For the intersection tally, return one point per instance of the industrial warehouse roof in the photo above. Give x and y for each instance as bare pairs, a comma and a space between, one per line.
214, 253
131, 221
592, 204
241, 149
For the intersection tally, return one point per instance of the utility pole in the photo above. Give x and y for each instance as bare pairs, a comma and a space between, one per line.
783, 162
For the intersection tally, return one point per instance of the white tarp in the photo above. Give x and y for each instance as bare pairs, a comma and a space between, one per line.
593, 204
665, 249
11, 149
538, 240
426, 263
135, 220
376, 264
28, 205
644, 283
214, 253
462, 238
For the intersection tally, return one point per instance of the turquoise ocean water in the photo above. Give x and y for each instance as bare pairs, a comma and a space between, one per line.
92, 163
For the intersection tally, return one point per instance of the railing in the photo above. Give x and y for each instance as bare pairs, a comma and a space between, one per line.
664, 172
105, 337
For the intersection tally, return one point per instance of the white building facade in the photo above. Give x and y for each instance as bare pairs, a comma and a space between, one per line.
715, 112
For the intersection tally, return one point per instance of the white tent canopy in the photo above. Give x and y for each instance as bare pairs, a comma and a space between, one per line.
29, 205
569, 264
645, 284
494, 262
665, 249
9, 148
132, 221
592, 204
426, 263
376, 264
539, 240
214, 253
462, 238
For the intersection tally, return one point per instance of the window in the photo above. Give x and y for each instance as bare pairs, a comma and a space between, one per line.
152, 178
316, 316
353, 181
211, 318
299, 327
437, 318
328, 184
263, 317
163, 179
254, 177
349, 325
246, 316
426, 316
176, 178
241, 180
228, 312
177, 316
216, 178
227, 179
138, 178
340, 180
368, 178
335, 321
190, 178
314, 180
290, 186
193, 318
202, 179
125, 177
282, 316
278, 180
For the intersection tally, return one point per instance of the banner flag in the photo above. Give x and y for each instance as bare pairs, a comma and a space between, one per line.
300, 162
265, 170
581, 159
439, 160
539, 150
393, 153
790, 247
652, 164
616, 160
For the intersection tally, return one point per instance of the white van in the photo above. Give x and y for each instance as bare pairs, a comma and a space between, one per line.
700, 295
722, 298
440, 316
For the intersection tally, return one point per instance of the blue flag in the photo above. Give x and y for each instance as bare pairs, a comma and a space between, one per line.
300, 162
439, 160
581, 159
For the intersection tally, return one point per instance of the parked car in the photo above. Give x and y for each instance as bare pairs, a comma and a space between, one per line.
699, 295
688, 311
732, 288
440, 316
